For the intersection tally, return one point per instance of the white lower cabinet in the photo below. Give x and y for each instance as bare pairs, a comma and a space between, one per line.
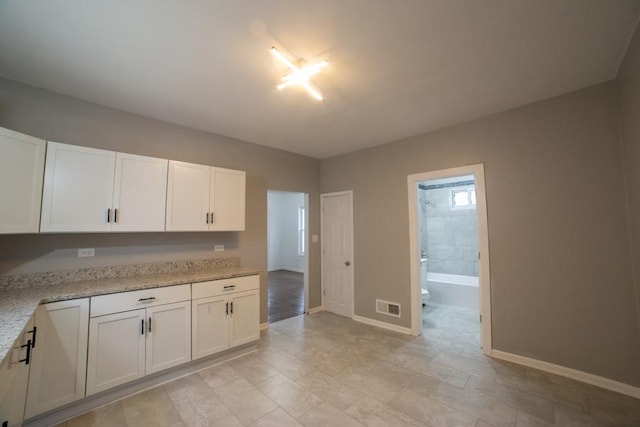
126, 345
226, 314
59, 356
69, 348
14, 375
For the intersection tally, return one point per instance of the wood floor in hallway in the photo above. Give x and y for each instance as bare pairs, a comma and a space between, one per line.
286, 294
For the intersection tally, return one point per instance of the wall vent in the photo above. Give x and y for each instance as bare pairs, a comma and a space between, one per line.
388, 308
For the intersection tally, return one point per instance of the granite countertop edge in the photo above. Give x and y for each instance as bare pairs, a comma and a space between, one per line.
18, 305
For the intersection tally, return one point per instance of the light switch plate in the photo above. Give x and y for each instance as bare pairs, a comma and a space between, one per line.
218, 248
314, 238
86, 252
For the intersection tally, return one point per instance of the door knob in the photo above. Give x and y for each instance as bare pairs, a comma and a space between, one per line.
347, 263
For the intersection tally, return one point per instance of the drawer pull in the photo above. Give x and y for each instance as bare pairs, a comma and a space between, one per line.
229, 287
148, 299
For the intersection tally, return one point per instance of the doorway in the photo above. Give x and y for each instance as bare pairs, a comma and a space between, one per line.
337, 252
449, 247
287, 221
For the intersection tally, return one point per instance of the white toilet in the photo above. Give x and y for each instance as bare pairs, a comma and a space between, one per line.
423, 281
425, 297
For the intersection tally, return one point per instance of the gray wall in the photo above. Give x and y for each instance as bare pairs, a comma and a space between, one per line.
63, 119
448, 236
561, 280
628, 85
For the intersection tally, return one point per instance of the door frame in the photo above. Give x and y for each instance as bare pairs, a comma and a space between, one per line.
477, 170
305, 263
323, 196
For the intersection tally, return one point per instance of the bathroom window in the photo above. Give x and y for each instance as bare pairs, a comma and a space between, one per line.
463, 199
301, 231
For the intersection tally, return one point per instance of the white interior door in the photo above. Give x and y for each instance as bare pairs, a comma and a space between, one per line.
337, 252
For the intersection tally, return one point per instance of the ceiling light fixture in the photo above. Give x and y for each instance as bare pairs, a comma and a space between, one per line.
300, 74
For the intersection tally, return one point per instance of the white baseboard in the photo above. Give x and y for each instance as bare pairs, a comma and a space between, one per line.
264, 326
574, 374
384, 325
315, 310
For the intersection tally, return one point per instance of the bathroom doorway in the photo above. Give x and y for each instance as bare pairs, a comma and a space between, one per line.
449, 252
287, 221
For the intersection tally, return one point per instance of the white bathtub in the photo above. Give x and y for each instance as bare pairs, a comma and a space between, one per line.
454, 279
453, 289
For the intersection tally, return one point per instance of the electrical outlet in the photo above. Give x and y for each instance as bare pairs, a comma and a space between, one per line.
218, 248
86, 252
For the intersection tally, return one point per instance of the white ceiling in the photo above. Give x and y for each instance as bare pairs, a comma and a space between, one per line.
396, 67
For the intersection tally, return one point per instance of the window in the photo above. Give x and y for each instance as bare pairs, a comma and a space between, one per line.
301, 231
463, 198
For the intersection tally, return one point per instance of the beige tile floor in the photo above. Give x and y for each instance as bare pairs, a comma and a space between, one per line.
326, 370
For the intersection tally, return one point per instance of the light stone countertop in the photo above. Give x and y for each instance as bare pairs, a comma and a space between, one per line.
17, 305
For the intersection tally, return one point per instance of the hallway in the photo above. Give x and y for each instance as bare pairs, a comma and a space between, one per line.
286, 294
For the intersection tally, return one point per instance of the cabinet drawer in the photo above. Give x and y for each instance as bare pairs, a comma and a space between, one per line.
124, 301
225, 286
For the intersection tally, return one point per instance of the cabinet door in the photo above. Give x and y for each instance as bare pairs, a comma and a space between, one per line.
210, 327
244, 318
78, 189
168, 336
188, 197
140, 193
59, 357
21, 172
116, 350
227, 199
14, 375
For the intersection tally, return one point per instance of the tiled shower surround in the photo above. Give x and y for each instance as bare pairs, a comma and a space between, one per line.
448, 236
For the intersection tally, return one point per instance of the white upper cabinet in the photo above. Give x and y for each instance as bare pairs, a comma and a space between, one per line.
21, 172
78, 189
139, 194
201, 198
227, 203
91, 190
188, 197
